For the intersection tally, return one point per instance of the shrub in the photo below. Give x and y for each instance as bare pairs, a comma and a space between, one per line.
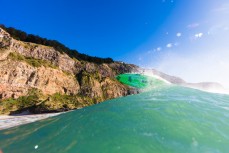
21, 35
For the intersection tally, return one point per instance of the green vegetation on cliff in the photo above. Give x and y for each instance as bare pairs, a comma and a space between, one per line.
11, 105
36, 102
31, 61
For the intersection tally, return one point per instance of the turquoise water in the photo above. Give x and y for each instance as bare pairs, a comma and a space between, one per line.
169, 119
139, 81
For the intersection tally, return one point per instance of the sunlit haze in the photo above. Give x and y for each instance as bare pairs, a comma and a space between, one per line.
193, 43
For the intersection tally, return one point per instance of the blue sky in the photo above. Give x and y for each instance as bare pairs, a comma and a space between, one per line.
187, 38
95, 27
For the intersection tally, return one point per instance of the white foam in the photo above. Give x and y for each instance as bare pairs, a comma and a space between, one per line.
151, 74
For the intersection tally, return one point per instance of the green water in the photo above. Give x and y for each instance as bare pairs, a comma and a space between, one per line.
168, 119
139, 81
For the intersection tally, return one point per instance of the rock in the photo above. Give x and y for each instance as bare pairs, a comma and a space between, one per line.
88, 82
17, 77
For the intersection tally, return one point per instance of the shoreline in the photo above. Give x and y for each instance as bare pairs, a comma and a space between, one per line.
9, 121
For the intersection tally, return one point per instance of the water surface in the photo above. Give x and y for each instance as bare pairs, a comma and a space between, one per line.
165, 119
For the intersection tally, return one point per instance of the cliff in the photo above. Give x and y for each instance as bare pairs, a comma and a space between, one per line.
40, 79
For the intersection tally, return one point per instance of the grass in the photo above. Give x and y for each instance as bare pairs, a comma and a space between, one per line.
13, 105
31, 61
36, 102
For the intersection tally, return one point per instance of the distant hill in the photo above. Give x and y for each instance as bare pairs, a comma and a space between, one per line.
205, 86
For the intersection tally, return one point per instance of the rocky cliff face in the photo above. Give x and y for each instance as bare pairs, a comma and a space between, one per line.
18, 77
27, 66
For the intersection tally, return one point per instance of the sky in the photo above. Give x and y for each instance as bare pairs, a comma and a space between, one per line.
185, 38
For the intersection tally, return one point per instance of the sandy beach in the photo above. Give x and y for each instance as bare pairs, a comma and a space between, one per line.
8, 121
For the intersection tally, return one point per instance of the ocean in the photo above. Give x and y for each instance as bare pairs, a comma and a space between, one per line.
163, 119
